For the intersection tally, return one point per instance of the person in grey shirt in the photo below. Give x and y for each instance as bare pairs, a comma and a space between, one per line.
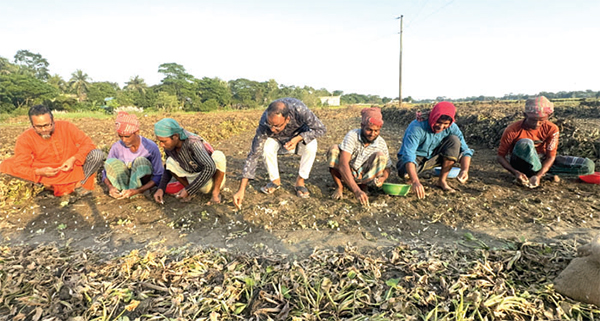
286, 123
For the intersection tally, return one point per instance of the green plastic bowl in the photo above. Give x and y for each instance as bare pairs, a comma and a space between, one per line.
396, 189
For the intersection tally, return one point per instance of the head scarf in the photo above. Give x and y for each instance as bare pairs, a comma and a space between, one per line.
168, 127
442, 108
539, 106
126, 124
372, 115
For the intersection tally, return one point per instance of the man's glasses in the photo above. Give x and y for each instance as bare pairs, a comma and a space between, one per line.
42, 127
277, 127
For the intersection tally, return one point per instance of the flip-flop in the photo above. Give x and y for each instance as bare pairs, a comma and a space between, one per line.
270, 188
302, 191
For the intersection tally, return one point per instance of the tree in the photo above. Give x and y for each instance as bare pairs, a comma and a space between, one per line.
80, 83
215, 89
177, 81
58, 82
32, 64
166, 101
18, 90
338, 92
98, 91
136, 84
6, 67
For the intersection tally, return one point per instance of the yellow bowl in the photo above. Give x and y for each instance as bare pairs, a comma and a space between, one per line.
396, 189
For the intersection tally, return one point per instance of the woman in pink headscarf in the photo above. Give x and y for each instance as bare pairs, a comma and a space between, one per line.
436, 141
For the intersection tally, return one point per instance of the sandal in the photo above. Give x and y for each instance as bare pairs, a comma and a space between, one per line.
302, 191
270, 188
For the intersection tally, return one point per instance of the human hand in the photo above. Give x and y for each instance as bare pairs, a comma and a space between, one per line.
534, 181
238, 198
419, 190
462, 177
290, 145
158, 196
47, 171
68, 165
378, 181
114, 192
183, 195
129, 193
362, 197
521, 178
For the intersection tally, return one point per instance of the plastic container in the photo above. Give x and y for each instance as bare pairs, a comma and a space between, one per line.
174, 188
396, 189
452, 174
591, 179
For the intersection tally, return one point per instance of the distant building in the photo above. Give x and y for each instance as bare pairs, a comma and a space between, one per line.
330, 100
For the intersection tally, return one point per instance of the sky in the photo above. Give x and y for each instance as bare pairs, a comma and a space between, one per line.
450, 48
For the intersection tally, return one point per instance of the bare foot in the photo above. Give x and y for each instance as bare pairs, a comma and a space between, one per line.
445, 187
187, 199
214, 200
337, 195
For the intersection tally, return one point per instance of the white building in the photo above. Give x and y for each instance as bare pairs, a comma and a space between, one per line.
330, 100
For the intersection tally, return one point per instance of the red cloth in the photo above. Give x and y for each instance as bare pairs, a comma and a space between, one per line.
372, 115
539, 106
33, 152
442, 108
545, 138
127, 124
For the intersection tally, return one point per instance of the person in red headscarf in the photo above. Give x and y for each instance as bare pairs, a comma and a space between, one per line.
56, 154
435, 141
533, 143
361, 158
134, 163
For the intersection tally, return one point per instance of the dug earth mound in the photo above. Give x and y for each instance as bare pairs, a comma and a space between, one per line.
488, 213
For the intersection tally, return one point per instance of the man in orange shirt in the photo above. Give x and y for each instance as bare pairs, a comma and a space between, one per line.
56, 154
532, 144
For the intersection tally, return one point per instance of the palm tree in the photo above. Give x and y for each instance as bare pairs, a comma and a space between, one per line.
136, 84
80, 83
57, 82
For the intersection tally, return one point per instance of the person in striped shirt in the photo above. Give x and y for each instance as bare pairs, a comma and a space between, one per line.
361, 158
191, 161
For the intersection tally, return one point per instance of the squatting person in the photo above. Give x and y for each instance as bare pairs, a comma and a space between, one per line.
435, 141
56, 154
134, 163
191, 160
532, 144
286, 123
361, 158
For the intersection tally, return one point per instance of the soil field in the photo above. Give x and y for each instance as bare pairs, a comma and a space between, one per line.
489, 212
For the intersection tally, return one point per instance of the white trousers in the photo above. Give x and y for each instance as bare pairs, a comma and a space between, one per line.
307, 157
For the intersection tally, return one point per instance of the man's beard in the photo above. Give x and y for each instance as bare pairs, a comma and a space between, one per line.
365, 139
46, 136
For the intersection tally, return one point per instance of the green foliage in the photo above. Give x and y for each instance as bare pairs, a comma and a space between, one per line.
136, 84
98, 91
213, 89
63, 102
32, 64
80, 83
6, 67
58, 82
209, 105
23, 90
166, 101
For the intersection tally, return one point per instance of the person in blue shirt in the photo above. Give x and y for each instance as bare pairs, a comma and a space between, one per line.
435, 141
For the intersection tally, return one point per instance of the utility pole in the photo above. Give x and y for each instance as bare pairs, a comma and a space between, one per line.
400, 71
